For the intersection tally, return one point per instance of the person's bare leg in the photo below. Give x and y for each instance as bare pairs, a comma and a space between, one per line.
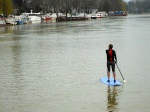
108, 75
114, 75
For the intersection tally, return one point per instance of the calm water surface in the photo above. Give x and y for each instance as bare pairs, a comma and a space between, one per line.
56, 67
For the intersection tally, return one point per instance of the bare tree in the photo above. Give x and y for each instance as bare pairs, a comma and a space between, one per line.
69, 5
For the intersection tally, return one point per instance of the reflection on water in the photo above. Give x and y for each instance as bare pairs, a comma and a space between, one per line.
112, 99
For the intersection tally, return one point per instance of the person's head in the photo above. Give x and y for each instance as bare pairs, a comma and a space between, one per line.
110, 46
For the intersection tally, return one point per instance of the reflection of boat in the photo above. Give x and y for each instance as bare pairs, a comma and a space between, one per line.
117, 13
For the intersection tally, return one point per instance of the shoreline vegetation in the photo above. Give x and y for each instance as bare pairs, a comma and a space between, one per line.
60, 6
17, 7
6, 7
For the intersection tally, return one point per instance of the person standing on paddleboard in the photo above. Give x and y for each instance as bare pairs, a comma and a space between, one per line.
111, 60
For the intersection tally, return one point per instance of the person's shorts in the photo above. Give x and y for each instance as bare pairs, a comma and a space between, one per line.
111, 64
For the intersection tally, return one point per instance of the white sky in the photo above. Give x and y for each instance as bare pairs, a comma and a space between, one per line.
127, 0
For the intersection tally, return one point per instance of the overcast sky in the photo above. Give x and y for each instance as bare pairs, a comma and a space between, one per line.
127, 0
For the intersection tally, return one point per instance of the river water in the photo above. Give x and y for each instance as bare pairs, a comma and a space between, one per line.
56, 67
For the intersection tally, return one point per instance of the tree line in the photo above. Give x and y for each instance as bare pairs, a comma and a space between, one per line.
69, 5
54, 6
6, 7
139, 6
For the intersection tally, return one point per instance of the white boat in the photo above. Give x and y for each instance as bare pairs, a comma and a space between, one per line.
83, 15
33, 16
2, 22
22, 19
96, 15
11, 20
102, 14
93, 16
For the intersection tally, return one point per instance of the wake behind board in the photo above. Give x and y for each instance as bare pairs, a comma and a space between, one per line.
111, 83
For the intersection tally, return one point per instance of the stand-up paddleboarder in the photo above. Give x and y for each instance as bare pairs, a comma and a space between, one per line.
111, 60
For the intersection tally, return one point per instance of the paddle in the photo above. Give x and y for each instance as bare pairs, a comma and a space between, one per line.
121, 73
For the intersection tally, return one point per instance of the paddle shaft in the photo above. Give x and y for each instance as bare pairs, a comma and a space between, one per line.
119, 71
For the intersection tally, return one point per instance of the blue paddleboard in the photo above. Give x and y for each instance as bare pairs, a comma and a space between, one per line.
111, 83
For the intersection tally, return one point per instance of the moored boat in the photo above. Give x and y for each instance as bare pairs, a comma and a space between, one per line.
2, 21
10, 20
93, 16
63, 18
22, 19
96, 15
33, 16
117, 13
47, 17
72, 17
102, 14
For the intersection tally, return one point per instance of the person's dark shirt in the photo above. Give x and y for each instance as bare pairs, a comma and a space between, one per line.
113, 55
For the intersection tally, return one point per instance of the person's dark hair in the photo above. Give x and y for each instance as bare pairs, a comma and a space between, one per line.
110, 46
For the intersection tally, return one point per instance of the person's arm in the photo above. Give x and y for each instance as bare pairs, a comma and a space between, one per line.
107, 55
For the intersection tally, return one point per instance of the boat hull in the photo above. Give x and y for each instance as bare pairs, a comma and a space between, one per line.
2, 22
71, 18
118, 13
20, 22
